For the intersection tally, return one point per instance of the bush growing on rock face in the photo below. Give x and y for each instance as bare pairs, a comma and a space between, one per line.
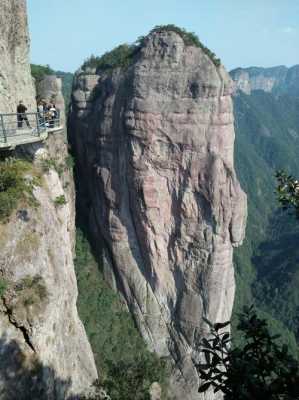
17, 179
3, 286
52, 164
60, 200
69, 161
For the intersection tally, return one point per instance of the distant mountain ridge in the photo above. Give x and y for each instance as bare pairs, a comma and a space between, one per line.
277, 80
266, 111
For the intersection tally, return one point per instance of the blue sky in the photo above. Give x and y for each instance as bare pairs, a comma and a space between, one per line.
241, 32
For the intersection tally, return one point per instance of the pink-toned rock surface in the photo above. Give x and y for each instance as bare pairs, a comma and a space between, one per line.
154, 147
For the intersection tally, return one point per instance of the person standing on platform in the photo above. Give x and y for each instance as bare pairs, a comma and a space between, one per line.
21, 115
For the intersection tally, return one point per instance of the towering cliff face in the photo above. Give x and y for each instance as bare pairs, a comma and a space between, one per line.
44, 350
279, 80
39, 322
15, 76
154, 151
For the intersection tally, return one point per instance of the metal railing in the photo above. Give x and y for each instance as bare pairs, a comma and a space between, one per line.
14, 126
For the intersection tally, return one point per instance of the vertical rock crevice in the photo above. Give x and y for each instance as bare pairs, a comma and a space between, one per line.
154, 145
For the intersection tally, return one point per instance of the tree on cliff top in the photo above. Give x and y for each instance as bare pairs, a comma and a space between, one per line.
122, 55
40, 71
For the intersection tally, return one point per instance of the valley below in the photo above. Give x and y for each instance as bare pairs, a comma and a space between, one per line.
144, 214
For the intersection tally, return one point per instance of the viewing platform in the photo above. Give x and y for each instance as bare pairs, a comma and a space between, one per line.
19, 129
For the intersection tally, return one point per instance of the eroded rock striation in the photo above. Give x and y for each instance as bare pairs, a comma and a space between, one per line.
154, 151
45, 353
15, 76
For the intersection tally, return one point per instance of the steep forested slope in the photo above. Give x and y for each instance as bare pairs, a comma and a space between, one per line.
267, 139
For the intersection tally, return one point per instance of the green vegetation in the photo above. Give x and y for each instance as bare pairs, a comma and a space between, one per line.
267, 273
122, 56
40, 71
3, 286
50, 163
60, 167
31, 290
67, 82
127, 367
27, 244
259, 369
288, 192
17, 180
60, 200
69, 161
189, 38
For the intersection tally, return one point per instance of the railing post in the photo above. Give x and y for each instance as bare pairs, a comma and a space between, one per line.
37, 123
3, 129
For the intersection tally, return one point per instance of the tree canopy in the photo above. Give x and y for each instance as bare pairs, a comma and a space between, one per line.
123, 55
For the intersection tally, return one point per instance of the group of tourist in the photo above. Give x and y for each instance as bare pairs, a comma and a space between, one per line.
47, 114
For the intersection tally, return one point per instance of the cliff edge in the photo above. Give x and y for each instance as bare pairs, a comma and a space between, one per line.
153, 142
45, 353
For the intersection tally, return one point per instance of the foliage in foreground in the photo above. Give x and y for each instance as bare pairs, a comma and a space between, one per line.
123, 55
125, 366
288, 192
260, 369
15, 185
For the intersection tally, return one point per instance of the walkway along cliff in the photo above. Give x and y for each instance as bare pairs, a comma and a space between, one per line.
153, 142
45, 353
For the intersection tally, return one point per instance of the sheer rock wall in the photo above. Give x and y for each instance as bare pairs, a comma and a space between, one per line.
154, 153
15, 76
39, 322
45, 353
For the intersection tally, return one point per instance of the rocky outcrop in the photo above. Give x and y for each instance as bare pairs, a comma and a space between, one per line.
15, 76
50, 90
279, 80
38, 315
45, 353
154, 150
